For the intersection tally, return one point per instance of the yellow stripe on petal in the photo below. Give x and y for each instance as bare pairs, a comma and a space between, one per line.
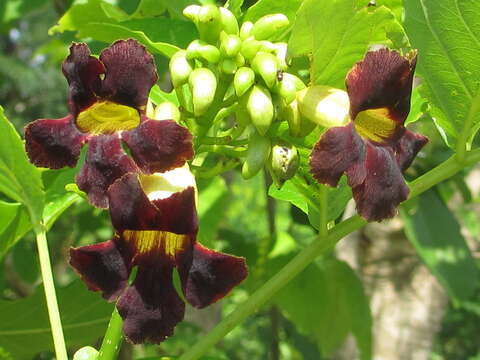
151, 241
106, 117
375, 124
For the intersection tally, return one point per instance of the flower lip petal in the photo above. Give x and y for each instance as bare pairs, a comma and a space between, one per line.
83, 76
130, 73
408, 147
159, 145
384, 187
383, 79
151, 307
54, 143
210, 276
104, 267
106, 161
338, 149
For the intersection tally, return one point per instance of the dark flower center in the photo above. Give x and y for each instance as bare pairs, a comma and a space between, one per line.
106, 117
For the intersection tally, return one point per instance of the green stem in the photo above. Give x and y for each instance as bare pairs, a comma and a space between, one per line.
52, 304
113, 338
312, 251
322, 225
461, 148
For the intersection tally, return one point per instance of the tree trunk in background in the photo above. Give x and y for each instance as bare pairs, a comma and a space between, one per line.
406, 300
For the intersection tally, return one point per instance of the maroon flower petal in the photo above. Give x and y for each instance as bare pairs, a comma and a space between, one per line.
53, 143
384, 187
130, 208
83, 75
338, 150
158, 146
106, 161
408, 147
151, 308
130, 73
383, 79
104, 267
211, 276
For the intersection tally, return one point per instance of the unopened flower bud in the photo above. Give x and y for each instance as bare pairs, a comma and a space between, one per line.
209, 23
229, 21
324, 105
228, 66
239, 60
243, 80
266, 65
200, 49
203, 85
286, 88
245, 30
86, 353
250, 48
180, 68
298, 125
260, 108
192, 12
284, 163
280, 51
257, 154
230, 45
269, 25
167, 111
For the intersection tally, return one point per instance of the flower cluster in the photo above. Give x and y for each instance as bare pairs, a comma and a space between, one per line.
374, 148
150, 194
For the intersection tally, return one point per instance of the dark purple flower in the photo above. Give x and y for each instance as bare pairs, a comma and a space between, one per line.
107, 101
156, 226
375, 148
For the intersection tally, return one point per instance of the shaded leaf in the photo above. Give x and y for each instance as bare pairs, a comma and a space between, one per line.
19, 179
85, 316
435, 233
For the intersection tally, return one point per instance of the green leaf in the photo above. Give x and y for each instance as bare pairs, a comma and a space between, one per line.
436, 235
85, 316
158, 96
149, 8
340, 37
19, 179
266, 7
102, 21
447, 36
16, 9
14, 224
235, 6
212, 203
326, 302
417, 106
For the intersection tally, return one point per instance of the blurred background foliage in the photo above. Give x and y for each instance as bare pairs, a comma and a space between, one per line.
309, 319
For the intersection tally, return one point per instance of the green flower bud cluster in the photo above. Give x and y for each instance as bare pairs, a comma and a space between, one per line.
259, 86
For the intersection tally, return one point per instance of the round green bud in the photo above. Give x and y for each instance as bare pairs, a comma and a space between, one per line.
257, 154
245, 30
230, 45
299, 84
180, 68
269, 25
203, 84
260, 108
167, 111
228, 66
280, 51
243, 80
200, 49
324, 105
250, 48
239, 60
86, 353
229, 21
286, 88
192, 12
284, 163
266, 65
209, 23
298, 125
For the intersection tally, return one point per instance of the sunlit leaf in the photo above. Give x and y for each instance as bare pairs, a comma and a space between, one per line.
433, 230
447, 36
340, 36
